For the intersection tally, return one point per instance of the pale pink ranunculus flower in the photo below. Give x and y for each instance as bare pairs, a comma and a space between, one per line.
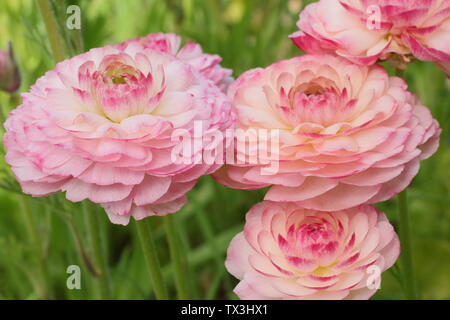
348, 134
367, 30
191, 52
287, 252
100, 127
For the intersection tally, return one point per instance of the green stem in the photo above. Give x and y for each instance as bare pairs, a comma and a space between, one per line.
79, 43
93, 230
179, 259
405, 236
193, 284
151, 259
405, 240
43, 284
399, 73
81, 249
210, 238
52, 30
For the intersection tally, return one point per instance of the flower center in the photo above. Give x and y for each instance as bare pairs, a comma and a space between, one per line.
117, 90
310, 89
117, 72
318, 104
313, 234
312, 239
118, 80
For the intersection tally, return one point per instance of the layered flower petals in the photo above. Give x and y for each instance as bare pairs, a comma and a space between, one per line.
289, 252
100, 127
346, 134
191, 53
365, 31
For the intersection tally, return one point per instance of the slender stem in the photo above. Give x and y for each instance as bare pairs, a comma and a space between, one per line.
2, 117
208, 234
79, 43
405, 235
178, 256
405, 240
81, 250
43, 285
151, 259
215, 284
399, 72
93, 230
193, 284
52, 30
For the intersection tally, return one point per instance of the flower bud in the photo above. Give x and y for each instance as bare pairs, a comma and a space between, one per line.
9, 71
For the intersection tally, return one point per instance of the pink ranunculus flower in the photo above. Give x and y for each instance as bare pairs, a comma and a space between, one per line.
192, 53
100, 127
367, 30
288, 252
348, 134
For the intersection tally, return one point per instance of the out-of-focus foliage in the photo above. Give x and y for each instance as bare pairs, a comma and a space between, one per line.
40, 238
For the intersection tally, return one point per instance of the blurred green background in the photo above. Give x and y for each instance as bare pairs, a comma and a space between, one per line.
39, 239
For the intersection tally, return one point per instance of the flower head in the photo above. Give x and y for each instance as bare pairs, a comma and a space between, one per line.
348, 134
288, 252
367, 30
191, 53
99, 127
